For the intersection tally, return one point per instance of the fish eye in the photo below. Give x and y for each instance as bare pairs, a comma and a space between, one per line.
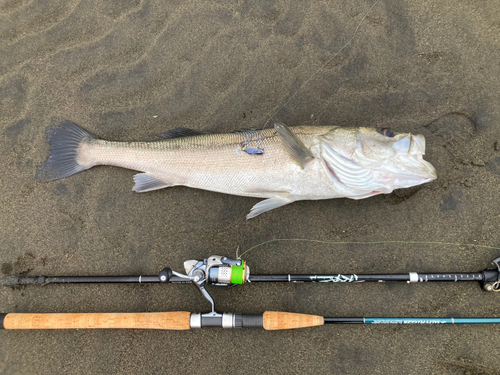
387, 132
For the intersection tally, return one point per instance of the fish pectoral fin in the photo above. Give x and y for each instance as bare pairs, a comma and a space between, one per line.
293, 145
145, 182
269, 204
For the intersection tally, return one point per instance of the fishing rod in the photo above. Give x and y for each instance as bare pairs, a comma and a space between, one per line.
222, 271
183, 320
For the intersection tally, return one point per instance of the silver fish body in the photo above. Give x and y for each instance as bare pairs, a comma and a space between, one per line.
281, 164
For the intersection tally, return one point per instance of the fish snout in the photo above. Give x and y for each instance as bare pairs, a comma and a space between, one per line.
417, 145
410, 144
411, 150
421, 170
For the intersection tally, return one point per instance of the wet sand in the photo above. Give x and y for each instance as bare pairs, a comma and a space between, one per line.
130, 70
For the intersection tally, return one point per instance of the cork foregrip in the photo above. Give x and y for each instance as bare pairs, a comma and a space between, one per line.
167, 320
274, 320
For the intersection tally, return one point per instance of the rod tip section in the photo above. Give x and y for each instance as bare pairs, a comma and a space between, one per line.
274, 320
2, 318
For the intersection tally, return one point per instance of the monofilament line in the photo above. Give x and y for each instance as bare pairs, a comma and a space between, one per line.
323, 66
239, 256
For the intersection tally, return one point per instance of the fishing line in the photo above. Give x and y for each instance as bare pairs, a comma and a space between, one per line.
324, 65
366, 243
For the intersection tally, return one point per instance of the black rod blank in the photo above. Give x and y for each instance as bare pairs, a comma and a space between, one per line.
352, 278
43, 280
333, 278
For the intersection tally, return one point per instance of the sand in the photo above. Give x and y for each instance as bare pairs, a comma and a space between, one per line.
130, 70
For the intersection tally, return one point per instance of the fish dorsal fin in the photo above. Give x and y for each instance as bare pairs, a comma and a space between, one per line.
293, 145
180, 132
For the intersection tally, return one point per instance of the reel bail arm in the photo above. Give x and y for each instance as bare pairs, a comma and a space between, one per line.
219, 271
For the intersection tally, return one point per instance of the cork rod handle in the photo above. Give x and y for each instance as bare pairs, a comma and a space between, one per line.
274, 320
163, 320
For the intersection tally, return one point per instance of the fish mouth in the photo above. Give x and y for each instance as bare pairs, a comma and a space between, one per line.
411, 150
418, 173
419, 167
430, 169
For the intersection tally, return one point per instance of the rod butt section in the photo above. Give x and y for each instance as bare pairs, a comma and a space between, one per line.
169, 321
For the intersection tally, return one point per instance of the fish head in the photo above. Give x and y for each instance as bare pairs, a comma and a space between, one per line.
376, 160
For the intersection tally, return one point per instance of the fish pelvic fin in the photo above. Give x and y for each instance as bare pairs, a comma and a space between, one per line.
293, 145
145, 182
65, 140
269, 204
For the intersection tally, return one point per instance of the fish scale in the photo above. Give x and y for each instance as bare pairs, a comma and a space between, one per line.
212, 162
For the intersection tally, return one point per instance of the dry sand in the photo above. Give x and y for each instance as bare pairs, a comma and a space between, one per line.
129, 70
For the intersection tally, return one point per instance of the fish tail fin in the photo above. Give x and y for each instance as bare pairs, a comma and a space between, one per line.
65, 140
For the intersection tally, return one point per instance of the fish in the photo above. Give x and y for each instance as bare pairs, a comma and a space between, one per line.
281, 164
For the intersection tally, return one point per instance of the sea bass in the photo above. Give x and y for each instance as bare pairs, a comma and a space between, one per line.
281, 164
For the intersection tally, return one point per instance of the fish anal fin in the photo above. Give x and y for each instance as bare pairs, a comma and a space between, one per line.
293, 145
145, 182
269, 204
180, 132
